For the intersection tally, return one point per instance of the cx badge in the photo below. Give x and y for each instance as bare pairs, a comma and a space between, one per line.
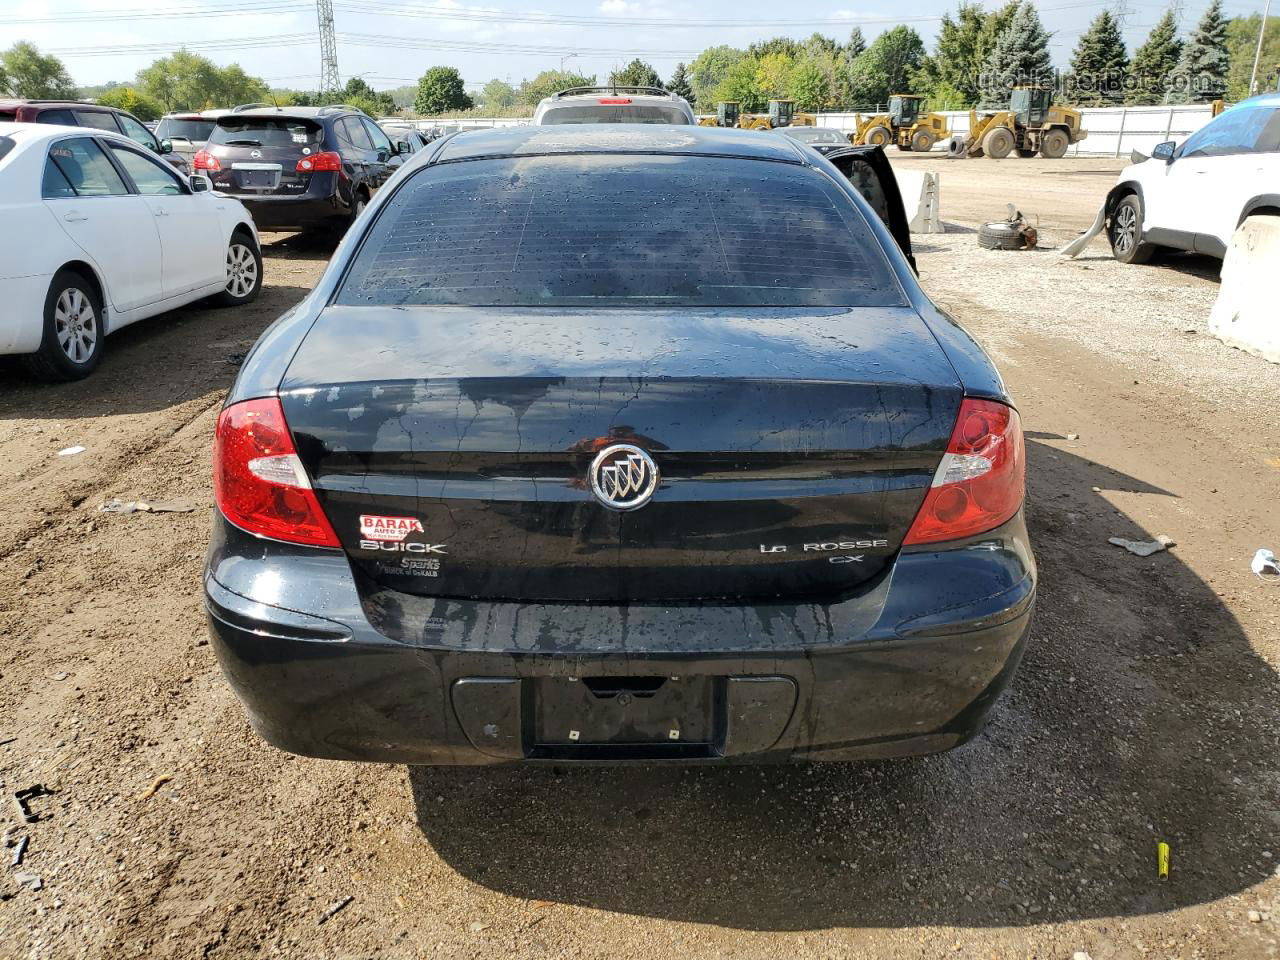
623, 477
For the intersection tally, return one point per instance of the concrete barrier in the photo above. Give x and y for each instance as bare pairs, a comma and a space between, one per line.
1246, 313
921, 200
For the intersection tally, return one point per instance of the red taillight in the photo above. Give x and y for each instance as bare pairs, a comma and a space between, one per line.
326, 162
258, 481
615, 100
204, 160
981, 480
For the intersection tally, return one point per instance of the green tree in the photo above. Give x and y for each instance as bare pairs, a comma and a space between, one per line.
1020, 56
741, 82
1100, 64
951, 74
773, 74
809, 85
1242, 40
1201, 73
1154, 62
498, 95
637, 73
821, 47
844, 93
551, 81
679, 84
708, 71
783, 45
25, 72
373, 102
127, 98
440, 89
188, 81
887, 66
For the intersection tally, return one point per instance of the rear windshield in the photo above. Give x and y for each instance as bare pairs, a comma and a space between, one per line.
197, 131
604, 113
6, 144
623, 230
265, 132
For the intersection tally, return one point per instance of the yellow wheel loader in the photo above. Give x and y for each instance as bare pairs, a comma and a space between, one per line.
727, 114
904, 125
1031, 125
782, 113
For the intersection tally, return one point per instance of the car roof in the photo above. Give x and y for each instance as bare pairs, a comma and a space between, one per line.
302, 113
1262, 100
78, 104
33, 132
620, 138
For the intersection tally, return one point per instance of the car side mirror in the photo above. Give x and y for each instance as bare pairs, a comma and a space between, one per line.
1164, 151
166, 146
402, 148
199, 183
383, 155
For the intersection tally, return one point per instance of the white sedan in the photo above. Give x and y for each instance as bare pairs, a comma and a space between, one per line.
97, 233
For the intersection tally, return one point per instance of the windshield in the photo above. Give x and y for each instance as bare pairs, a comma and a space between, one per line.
614, 113
197, 131
265, 132
620, 230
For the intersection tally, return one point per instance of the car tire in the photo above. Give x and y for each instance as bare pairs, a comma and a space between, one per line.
879, 136
1053, 145
358, 204
998, 143
1000, 235
1125, 232
922, 141
957, 147
71, 344
244, 271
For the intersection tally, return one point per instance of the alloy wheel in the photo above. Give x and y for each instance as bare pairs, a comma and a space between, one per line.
242, 270
1126, 229
76, 324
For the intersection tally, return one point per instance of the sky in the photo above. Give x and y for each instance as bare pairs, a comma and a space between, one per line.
393, 43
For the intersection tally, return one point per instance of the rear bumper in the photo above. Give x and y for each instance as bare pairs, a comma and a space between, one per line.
294, 213
911, 665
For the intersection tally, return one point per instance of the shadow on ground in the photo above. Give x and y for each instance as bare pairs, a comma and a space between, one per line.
1140, 714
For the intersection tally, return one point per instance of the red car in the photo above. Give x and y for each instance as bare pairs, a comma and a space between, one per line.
74, 113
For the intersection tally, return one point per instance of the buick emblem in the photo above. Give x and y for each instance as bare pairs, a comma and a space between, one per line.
623, 477
256, 154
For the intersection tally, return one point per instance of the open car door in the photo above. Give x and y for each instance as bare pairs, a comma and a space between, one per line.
869, 171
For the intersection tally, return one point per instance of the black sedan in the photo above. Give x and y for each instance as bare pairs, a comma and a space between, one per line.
600, 444
823, 139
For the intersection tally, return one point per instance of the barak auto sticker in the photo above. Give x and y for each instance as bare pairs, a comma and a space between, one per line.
389, 529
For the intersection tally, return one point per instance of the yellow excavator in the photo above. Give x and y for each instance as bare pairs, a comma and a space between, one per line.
904, 125
1031, 125
782, 113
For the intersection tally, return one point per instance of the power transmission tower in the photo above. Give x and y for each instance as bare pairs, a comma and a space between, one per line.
329, 82
1120, 10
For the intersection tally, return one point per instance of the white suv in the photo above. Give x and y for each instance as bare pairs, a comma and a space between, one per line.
614, 105
1194, 196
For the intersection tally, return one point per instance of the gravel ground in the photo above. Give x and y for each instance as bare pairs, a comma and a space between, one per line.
1146, 708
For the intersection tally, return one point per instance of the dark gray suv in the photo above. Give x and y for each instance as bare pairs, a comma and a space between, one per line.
298, 168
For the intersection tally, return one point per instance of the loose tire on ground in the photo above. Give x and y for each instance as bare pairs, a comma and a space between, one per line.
1000, 235
1053, 145
1125, 232
957, 148
998, 143
244, 271
922, 141
879, 136
71, 345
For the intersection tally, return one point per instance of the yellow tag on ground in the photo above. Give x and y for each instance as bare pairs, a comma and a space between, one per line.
1162, 860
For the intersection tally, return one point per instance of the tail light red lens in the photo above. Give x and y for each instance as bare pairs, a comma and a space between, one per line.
204, 160
259, 483
615, 100
327, 162
981, 481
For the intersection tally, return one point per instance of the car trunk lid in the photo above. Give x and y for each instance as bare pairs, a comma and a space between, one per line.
451, 446
258, 156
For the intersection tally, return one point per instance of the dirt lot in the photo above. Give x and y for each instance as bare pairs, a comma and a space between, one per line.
1146, 708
